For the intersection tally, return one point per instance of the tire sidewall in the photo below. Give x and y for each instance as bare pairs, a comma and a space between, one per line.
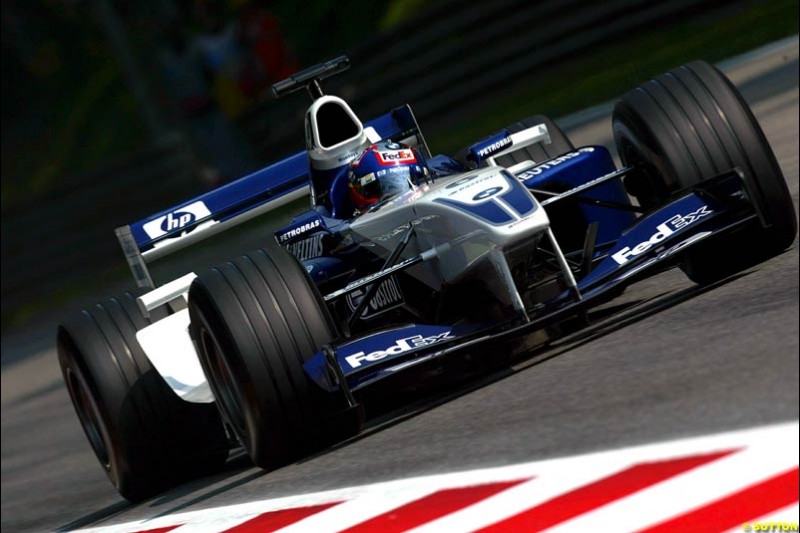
267, 398
657, 128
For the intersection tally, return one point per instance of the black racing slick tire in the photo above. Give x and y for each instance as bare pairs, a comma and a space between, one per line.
539, 152
145, 437
256, 320
691, 124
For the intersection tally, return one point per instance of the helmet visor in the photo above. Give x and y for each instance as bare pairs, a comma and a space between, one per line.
395, 181
392, 182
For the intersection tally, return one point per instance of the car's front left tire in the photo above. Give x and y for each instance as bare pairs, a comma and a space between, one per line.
691, 124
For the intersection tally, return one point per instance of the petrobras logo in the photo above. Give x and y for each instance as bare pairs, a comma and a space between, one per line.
400, 346
494, 147
393, 157
296, 232
663, 231
176, 220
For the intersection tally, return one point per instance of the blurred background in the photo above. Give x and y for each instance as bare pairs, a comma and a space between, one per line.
115, 110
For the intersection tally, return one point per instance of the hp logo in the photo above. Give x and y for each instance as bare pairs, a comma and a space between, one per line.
176, 220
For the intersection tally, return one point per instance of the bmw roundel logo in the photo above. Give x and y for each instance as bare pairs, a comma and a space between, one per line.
487, 193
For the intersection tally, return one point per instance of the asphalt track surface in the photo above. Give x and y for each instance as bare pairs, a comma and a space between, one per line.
673, 360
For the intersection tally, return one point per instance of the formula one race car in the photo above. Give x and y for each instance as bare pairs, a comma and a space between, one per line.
277, 349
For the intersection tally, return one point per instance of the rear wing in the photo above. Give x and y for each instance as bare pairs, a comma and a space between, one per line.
229, 205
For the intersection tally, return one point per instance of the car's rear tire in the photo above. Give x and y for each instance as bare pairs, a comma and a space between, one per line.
255, 320
691, 124
145, 437
539, 152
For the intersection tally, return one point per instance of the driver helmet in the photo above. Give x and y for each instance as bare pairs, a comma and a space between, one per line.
382, 171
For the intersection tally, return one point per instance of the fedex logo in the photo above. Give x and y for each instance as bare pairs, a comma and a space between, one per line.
400, 346
681, 221
180, 218
396, 156
664, 230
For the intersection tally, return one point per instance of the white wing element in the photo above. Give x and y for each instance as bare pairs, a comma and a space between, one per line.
171, 351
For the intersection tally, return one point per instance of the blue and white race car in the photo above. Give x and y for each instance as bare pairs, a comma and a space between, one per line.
277, 349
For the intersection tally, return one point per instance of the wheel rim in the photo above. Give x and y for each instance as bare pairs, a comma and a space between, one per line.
225, 386
89, 415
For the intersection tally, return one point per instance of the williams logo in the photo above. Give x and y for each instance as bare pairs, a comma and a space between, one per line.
176, 220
